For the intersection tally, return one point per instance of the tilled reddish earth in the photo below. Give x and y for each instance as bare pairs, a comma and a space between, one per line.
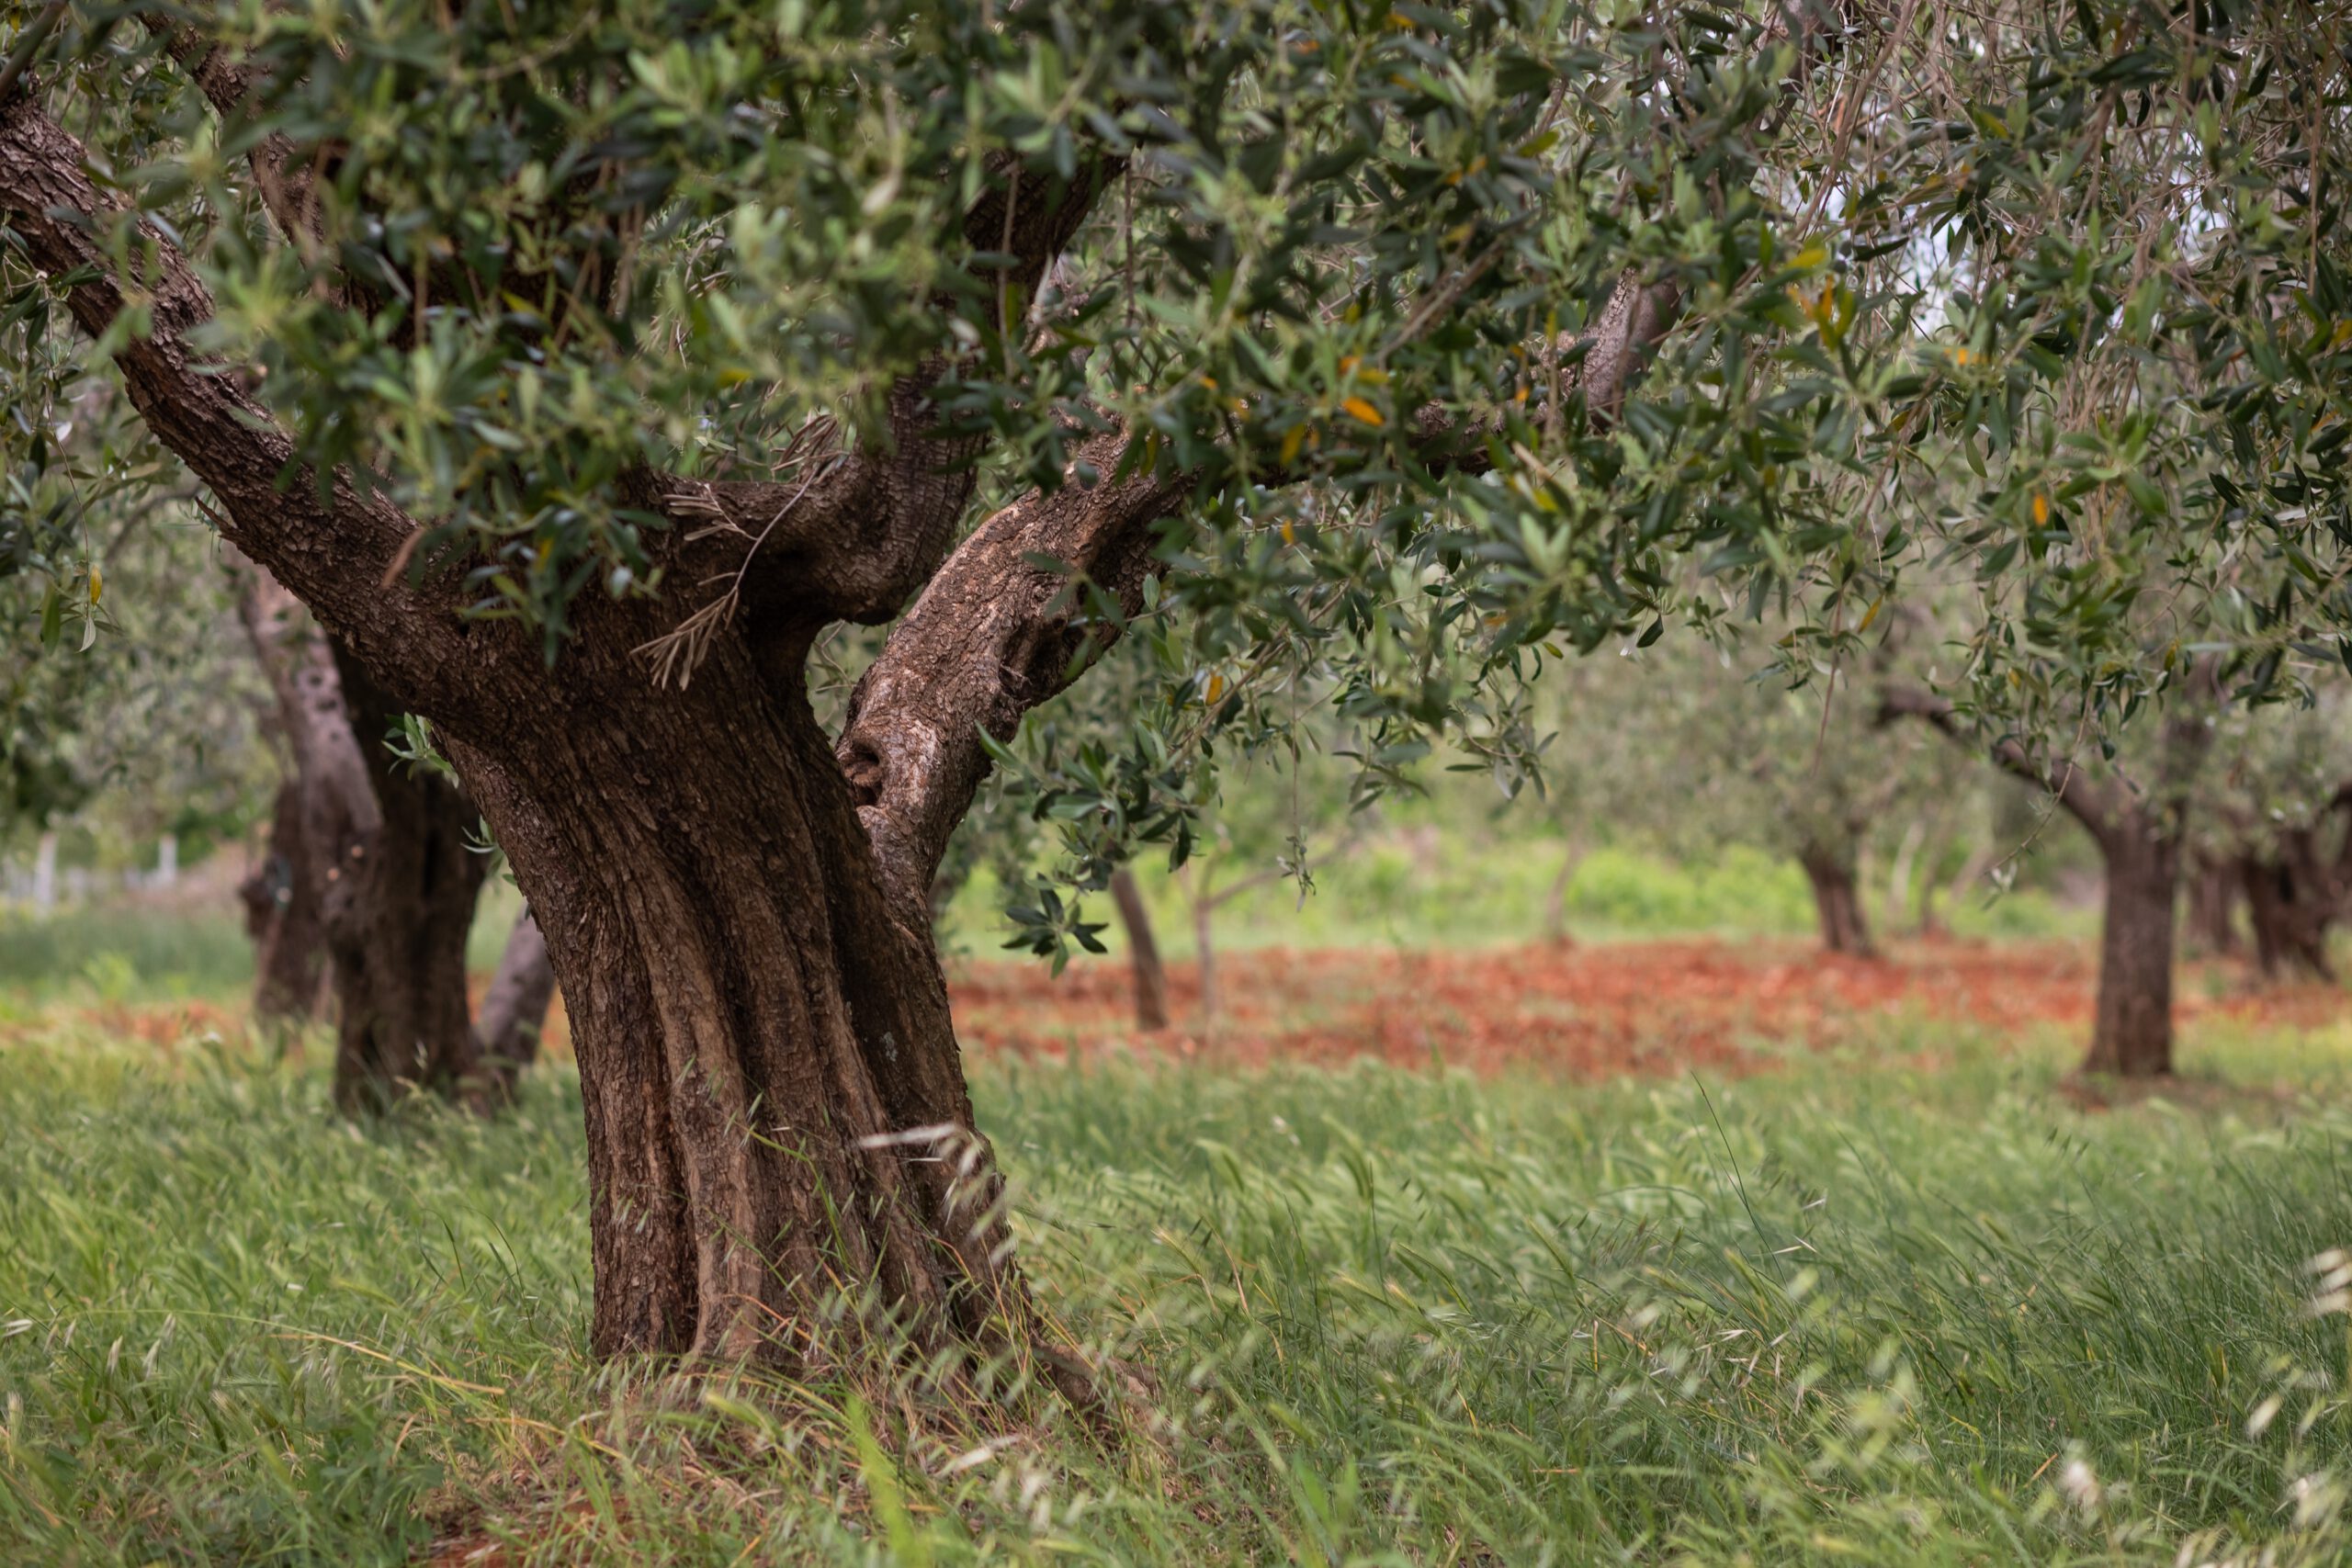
1581, 1012
1584, 1011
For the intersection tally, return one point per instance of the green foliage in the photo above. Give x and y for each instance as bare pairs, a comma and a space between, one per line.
2048, 300
151, 727
1840, 1311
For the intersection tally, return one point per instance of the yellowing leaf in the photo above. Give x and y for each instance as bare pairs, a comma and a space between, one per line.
98, 584
2041, 510
1216, 687
1364, 411
1293, 439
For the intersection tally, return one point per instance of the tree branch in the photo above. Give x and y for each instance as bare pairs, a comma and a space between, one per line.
994, 633
228, 85
2087, 802
331, 553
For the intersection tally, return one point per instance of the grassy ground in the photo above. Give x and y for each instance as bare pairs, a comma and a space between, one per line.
1456, 888
1897, 1304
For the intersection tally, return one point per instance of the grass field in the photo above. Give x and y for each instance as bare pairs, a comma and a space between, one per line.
1885, 1294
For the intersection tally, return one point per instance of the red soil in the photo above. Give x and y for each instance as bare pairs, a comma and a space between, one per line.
1651, 1007
1640, 1008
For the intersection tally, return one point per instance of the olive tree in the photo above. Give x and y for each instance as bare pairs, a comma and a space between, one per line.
580, 371
376, 859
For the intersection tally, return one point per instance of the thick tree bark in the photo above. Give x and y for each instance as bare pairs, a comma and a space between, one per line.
775, 1096
280, 895
1836, 900
1143, 951
2132, 1028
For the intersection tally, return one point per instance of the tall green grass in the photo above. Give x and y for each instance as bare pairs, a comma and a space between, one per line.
117, 952
1905, 1307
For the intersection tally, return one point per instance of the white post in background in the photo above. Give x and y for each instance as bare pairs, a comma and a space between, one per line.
167, 860
45, 873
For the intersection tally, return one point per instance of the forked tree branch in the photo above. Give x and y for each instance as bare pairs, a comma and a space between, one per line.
858, 540
996, 631
2100, 809
993, 634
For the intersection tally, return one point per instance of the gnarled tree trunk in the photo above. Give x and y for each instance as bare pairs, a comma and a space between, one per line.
2139, 836
387, 867
2291, 905
774, 1098
1836, 900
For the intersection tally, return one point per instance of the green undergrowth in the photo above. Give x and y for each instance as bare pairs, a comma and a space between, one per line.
1842, 1312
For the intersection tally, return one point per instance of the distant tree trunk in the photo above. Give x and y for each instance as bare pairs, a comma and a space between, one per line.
45, 872
2213, 889
395, 877
1143, 951
1927, 919
399, 911
167, 860
2132, 1029
1556, 899
1898, 879
515, 1009
280, 895
2291, 905
1836, 900
2140, 837
1204, 950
